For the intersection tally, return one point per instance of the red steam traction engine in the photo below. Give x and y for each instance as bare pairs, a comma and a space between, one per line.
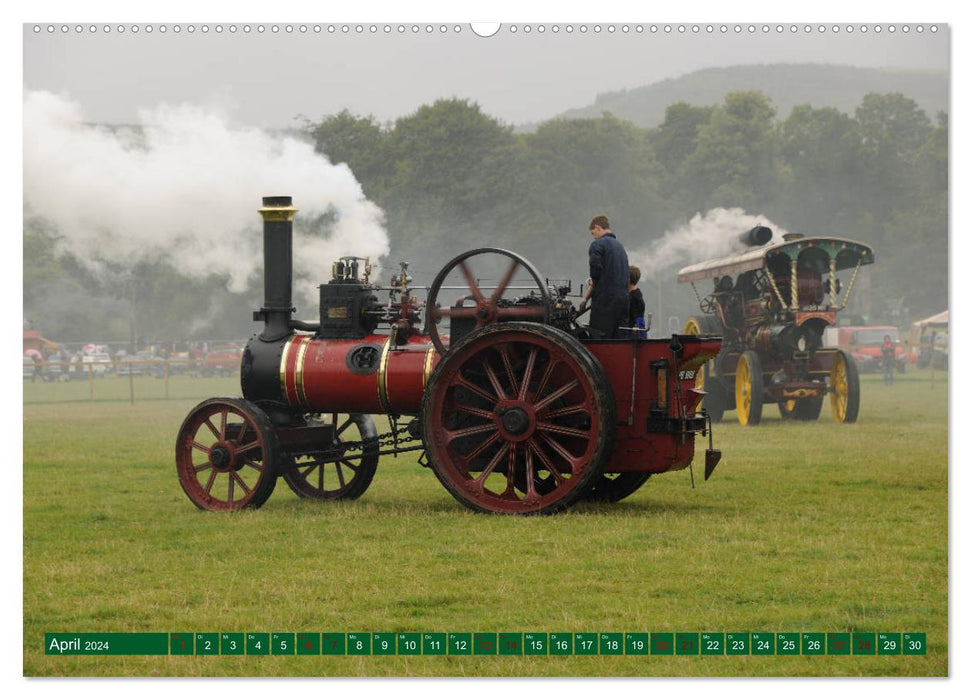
517, 408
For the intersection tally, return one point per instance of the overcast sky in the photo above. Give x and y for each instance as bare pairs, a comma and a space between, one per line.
267, 78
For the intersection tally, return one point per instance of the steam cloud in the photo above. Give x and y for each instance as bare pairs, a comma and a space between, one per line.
706, 236
186, 184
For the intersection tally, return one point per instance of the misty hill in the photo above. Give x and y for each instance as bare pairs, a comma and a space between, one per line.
787, 85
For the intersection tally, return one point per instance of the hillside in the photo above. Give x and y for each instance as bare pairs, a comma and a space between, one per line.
787, 85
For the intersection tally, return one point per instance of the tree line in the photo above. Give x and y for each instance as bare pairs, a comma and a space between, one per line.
450, 177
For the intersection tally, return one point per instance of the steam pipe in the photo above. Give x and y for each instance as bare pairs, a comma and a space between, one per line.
278, 214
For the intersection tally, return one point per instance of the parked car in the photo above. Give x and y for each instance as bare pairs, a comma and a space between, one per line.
99, 363
865, 343
222, 360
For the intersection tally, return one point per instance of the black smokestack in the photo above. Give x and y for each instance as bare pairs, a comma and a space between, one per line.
277, 213
760, 235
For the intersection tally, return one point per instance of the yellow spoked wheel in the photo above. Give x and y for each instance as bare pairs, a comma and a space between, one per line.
844, 388
748, 389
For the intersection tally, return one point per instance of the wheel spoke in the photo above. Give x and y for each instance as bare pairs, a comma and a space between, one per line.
202, 447
504, 282
470, 280
511, 472
242, 483
528, 373
482, 447
201, 467
232, 486
563, 430
247, 447
560, 450
547, 374
212, 427
340, 474
251, 463
491, 465
562, 391
475, 389
303, 474
479, 412
212, 479
507, 364
453, 435
224, 419
493, 379
534, 447
343, 427
530, 474
567, 411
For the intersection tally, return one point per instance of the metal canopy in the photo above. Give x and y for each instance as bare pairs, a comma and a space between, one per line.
847, 254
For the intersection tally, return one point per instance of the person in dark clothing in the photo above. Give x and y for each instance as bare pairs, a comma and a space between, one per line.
608, 284
635, 309
888, 350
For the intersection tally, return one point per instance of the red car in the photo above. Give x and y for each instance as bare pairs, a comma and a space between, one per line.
222, 360
865, 343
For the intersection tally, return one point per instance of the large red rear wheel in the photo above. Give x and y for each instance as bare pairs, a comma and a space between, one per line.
518, 418
226, 455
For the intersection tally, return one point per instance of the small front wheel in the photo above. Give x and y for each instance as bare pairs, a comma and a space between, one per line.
225, 455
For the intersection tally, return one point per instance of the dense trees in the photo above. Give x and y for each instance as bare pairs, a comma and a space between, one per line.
450, 177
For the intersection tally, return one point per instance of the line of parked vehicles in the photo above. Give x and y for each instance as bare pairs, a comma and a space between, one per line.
97, 361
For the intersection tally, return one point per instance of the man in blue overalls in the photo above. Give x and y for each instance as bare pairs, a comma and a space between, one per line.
609, 278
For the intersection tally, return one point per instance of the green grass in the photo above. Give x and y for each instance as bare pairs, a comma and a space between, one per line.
803, 527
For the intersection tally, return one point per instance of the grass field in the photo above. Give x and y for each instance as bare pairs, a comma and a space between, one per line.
802, 528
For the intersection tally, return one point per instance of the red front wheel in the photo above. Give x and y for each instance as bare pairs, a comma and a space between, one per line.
226, 454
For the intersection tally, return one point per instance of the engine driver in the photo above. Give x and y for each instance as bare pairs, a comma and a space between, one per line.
607, 289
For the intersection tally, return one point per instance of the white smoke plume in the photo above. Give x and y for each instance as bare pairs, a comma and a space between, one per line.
186, 184
713, 234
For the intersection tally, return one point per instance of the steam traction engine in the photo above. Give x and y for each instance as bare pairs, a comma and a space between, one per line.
771, 305
516, 408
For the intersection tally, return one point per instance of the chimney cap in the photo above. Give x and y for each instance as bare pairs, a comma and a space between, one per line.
278, 201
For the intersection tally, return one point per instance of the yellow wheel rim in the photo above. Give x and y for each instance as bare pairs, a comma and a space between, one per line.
743, 390
839, 388
691, 328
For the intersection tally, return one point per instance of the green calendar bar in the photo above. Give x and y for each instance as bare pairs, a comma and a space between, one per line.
106, 644
487, 644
